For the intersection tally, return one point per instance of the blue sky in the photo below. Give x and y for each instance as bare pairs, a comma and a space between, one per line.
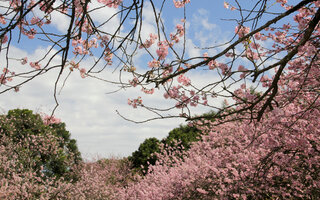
89, 112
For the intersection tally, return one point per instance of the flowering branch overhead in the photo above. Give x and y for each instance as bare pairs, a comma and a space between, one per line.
244, 60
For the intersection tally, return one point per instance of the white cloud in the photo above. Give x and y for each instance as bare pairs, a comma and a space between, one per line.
192, 50
90, 114
60, 21
202, 18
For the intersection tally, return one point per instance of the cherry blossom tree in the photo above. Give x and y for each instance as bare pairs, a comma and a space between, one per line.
38, 160
263, 142
266, 43
41, 144
276, 158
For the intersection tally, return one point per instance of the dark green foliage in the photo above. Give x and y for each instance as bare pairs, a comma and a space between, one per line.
180, 138
70, 153
143, 156
184, 136
21, 125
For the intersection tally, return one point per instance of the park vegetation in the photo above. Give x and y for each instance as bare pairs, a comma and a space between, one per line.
263, 143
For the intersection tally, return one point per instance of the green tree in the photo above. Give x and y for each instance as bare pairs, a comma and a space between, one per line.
178, 138
47, 146
144, 156
182, 136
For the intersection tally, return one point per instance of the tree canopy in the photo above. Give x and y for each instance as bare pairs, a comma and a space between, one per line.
42, 145
178, 138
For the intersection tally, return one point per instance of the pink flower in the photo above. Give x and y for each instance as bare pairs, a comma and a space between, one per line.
2, 20
202, 191
47, 120
242, 30
134, 82
147, 91
35, 65
31, 34
241, 68
35, 20
135, 102
74, 64
180, 30
148, 43
180, 4
154, 63
111, 3
184, 80
226, 5
24, 60
83, 72
162, 51
74, 42
4, 39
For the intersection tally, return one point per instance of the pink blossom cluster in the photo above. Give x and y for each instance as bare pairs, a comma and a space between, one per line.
4, 39
239, 157
154, 63
147, 91
162, 50
100, 179
266, 81
228, 6
2, 20
180, 32
213, 64
86, 27
242, 30
149, 42
135, 102
83, 72
26, 27
103, 40
47, 120
277, 157
134, 82
45, 6
22, 176
184, 80
35, 65
36, 21
108, 56
6, 76
75, 65
82, 47
167, 70
180, 3
111, 3
183, 99
252, 55
242, 69
24, 60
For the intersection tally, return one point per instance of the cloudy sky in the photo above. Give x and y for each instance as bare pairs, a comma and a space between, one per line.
87, 106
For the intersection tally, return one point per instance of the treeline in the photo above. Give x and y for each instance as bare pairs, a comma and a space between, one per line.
38, 159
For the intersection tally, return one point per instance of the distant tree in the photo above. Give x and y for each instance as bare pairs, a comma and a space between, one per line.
144, 156
42, 143
182, 136
178, 138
